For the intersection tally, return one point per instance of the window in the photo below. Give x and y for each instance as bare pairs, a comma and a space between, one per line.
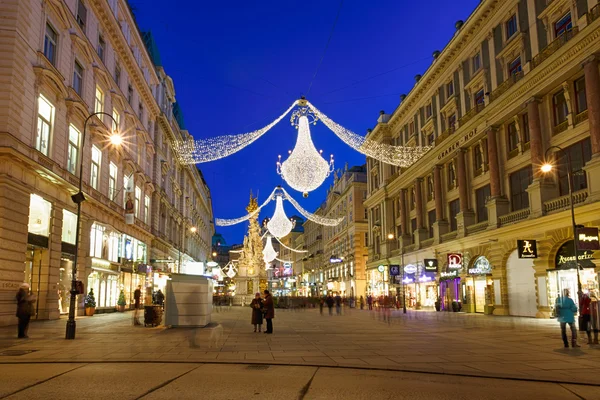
430, 188
452, 122
454, 207
99, 103
141, 111
450, 89
138, 195
146, 209
44, 125
50, 41
412, 198
112, 180
561, 110
512, 136
451, 176
78, 78
481, 196
117, 117
431, 220
514, 67
96, 240
95, 167
366, 239
411, 129
101, 47
81, 16
413, 225
350, 217
118, 73
476, 62
580, 153
525, 129
511, 26
580, 100
563, 25
479, 98
519, 182
73, 149
130, 94
431, 139
428, 111
477, 159
127, 183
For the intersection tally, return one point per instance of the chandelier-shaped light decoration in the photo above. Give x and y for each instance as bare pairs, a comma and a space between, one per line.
305, 169
200, 151
402, 156
229, 222
313, 217
280, 225
269, 252
230, 270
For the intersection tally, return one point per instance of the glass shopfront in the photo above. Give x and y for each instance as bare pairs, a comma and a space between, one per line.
450, 290
479, 285
67, 259
427, 289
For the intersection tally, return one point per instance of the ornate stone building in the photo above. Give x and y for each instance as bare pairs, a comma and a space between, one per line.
63, 61
517, 78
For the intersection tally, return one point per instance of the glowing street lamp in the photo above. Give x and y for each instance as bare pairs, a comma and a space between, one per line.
193, 229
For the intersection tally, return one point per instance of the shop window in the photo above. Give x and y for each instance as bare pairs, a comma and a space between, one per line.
101, 47
519, 182
99, 101
44, 125
563, 25
431, 219
561, 110
69, 227
112, 180
511, 26
454, 208
579, 153
525, 128
73, 149
39, 216
50, 42
481, 196
476, 62
96, 240
95, 167
114, 241
512, 137
580, 100
78, 78
514, 67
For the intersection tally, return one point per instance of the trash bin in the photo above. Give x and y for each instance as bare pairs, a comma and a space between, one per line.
152, 315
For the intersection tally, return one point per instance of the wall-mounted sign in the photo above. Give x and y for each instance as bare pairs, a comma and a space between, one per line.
565, 257
455, 261
481, 266
335, 260
587, 239
381, 268
431, 265
394, 270
527, 248
449, 275
410, 269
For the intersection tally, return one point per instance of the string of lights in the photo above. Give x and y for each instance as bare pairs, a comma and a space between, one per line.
289, 248
313, 217
229, 222
283, 261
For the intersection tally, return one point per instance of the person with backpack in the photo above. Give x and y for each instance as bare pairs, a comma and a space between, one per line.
565, 314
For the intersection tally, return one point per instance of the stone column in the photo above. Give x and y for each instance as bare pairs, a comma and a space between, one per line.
465, 217
405, 234
421, 232
497, 205
535, 133
440, 226
592, 93
51, 273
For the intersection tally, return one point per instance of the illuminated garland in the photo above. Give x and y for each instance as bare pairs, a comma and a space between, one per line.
313, 217
211, 149
289, 248
229, 222
402, 156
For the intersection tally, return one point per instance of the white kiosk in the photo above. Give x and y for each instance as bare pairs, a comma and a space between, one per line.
189, 301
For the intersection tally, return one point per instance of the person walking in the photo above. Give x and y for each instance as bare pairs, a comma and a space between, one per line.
321, 305
338, 304
594, 314
25, 310
269, 311
257, 312
160, 298
565, 314
329, 301
370, 302
137, 296
584, 308
362, 302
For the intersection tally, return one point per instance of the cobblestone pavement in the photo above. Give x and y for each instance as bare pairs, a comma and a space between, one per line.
419, 341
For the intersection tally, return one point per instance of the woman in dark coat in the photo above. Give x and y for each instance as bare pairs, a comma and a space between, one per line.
257, 312
24, 309
269, 311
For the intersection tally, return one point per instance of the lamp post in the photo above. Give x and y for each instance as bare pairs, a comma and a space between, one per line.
547, 167
79, 198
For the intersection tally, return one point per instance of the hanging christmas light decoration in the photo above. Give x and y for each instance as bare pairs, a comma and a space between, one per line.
200, 151
280, 225
290, 249
229, 222
269, 252
313, 217
305, 169
230, 270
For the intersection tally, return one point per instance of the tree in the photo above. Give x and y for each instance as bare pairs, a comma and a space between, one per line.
90, 300
252, 256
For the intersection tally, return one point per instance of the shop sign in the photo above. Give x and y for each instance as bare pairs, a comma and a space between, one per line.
455, 261
481, 266
431, 265
394, 270
159, 261
381, 268
565, 257
410, 269
449, 275
335, 260
527, 248
587, 239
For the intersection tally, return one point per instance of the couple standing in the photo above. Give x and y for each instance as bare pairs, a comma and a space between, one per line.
260, 307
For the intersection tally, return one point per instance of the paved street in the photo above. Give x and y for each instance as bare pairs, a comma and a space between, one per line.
445, 349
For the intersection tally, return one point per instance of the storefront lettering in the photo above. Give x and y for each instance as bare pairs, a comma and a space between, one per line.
584, 238
527, 248
454, 261
563, 259
587, 239
452, 274
457, 144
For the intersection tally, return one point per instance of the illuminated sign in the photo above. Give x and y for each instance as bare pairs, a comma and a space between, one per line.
394, 270
587, 239
449, 275
431, 265
565, 257
335, 260
381, 268
481, 266
527, 248
455, 260
410, 269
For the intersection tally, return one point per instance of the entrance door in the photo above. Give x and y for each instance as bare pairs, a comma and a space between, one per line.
521, 286
480, 285
568, 280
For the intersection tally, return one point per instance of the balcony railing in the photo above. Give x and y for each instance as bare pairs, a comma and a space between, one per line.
594, 14
553, 47
446, 237
563, 126
481, 226
445, 134
514, 217
471, 113
507, 84
427, 242
562, 203
582, 116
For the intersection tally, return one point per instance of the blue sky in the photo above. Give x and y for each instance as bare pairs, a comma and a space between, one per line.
237, 65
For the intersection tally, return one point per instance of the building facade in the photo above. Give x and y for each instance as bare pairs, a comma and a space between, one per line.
145, 214
517, 78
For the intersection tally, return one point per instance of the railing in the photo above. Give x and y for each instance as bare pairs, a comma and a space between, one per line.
582, 116
563, 126
427, 242
409, 248
513, 153
553, 47
446, 237
471, 113
563, 202
594, 14
514, 216
481, 226
445, 135
507, 84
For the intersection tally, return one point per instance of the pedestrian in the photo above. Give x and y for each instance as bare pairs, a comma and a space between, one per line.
565, 314
370, 302
321, 304
269, 311
137, 296
25, 309
257, 312
584, 309
595, 314
338, 304
160, 298
362, 302
329, 301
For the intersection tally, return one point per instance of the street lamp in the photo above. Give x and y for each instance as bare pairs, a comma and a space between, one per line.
548, 167
78, 198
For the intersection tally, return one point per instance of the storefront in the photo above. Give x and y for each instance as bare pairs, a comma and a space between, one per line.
37, 245
378, 281
564, 275
450, 290
410, 285
427, 288
479, 286
67, 259
104, 280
